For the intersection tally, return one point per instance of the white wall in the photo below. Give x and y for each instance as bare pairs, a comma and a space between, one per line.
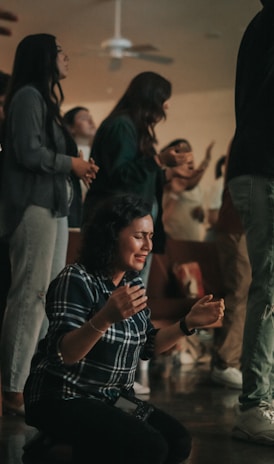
200, 118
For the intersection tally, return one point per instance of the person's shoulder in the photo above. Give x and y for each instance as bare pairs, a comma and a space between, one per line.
118, 123
71, 272
74, 269
27, 94
28, 90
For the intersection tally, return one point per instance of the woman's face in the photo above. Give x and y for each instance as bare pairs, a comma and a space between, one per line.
134, 244
62, 62
83, 125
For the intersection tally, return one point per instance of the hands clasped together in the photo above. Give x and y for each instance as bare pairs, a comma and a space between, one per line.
85, 170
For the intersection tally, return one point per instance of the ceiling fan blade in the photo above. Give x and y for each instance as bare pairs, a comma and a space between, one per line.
148, 57
143, 48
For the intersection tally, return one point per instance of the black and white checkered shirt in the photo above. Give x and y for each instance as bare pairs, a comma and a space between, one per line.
73, 298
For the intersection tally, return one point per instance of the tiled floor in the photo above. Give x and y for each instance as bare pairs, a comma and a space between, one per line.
188, 394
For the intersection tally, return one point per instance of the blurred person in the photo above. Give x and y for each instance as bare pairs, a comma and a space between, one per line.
35, 195
250, 177
182, 202
99, 326
124, 148
215, 198
226, 368
82, 128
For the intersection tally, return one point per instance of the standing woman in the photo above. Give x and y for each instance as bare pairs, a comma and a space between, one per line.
124, 145
35, 194
124, 149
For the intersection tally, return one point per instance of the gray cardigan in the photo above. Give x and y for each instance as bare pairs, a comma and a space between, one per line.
32, 174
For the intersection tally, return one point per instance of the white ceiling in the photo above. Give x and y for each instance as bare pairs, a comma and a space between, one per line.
202, 36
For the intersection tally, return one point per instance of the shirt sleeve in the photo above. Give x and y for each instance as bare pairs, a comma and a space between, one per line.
28, 119
116, 149
69, 303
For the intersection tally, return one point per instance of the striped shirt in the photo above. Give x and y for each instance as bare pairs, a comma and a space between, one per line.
109, 367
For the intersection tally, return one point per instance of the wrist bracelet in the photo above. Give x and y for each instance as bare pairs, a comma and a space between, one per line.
95, 328
184, 328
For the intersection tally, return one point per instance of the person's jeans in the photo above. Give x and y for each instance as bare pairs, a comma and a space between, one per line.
253, 196
38, 250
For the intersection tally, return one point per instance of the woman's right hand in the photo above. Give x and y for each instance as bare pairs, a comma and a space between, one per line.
175, 156
125, 301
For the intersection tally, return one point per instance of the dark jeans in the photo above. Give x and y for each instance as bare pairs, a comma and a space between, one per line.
253, 197
94, 428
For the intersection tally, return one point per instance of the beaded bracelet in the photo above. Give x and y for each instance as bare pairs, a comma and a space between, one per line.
95, 328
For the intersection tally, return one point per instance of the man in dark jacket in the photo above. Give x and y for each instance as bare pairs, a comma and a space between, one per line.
250, 178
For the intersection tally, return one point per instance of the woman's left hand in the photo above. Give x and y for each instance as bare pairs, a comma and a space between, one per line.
205, 312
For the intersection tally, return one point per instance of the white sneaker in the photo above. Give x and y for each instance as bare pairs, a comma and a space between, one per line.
229, 377
255, 425
141, 389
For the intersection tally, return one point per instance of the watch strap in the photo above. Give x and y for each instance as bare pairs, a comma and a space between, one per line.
184, 328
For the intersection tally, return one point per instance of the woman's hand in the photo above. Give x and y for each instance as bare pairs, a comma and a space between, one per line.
205, 312
174, 156
208, 151
124, 302
85, 170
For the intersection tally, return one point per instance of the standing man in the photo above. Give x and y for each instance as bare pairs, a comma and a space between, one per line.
251, 182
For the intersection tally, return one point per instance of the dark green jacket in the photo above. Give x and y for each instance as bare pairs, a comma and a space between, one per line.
123, 168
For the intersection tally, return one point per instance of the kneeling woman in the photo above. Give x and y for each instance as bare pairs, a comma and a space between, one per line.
99, 327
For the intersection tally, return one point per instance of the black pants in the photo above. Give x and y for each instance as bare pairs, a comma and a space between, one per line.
94, 428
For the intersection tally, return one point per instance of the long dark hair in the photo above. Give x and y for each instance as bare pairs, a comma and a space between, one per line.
143, 102
100, 234
35, 64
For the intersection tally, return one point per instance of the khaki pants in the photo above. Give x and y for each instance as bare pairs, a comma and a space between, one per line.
235, 266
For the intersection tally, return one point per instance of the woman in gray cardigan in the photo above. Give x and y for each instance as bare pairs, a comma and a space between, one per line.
35, 195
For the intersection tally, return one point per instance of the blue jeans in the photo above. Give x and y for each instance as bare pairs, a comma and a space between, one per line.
253, 196
38, 250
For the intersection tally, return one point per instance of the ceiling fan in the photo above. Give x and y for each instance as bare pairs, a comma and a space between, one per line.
118, 47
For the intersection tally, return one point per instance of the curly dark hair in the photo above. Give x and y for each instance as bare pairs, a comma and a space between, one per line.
143, 101
100, 234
